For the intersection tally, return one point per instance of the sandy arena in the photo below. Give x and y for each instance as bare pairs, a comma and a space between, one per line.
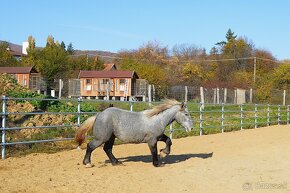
255, 160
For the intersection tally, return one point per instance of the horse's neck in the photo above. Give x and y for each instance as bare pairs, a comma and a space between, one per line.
167, 116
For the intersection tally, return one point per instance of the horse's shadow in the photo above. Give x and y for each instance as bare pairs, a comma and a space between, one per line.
170, 159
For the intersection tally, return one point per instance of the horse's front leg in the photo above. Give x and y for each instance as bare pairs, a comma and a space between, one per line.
153, 148
108, 147
168, 143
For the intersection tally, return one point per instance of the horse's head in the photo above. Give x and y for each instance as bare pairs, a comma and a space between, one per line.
183, 118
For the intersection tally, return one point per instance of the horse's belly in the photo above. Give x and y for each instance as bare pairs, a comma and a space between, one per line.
132, 138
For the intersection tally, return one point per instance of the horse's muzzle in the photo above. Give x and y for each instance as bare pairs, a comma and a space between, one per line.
188, 129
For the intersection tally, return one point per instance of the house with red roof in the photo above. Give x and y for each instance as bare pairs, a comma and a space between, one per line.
26, 76
116, 84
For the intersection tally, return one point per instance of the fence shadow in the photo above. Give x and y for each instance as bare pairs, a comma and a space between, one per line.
170, 159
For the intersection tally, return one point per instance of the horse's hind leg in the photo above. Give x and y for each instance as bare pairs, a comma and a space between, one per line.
91, 147
168, 143
108, 147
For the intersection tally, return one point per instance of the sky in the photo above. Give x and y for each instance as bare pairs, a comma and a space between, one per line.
128, 24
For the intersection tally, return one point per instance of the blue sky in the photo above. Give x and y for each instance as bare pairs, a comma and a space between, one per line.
128, 24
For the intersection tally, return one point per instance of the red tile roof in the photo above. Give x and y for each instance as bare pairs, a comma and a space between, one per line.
17, 70
107, 74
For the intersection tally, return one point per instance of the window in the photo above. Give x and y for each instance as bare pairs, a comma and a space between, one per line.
122, 84
88, 84
95, 85
24, 83
103, 84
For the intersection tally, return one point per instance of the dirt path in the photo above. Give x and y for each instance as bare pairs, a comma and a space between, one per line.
256, 160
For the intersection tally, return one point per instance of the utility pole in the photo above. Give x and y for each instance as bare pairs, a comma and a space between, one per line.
87, 59
255, 66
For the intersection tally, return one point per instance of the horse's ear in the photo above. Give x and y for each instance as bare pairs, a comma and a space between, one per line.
182, 105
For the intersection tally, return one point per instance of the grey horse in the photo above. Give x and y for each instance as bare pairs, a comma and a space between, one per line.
133, 127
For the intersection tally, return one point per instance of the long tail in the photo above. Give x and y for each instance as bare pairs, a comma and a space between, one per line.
83, 129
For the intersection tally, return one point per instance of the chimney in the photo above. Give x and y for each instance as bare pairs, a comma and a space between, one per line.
24, 47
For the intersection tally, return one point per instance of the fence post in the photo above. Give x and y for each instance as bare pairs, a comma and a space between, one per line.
242, 116
79, 111
235, 97
3, 126
201, 96
251, 95
79, 115
170, 131
149, 94
256, 110
288, 114
217, 95
201, 107
278, 114
131, 106
268, 115
284, 97
186, 95
225, 95
223, 117
214, 95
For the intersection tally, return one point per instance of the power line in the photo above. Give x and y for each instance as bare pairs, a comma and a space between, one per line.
183, 61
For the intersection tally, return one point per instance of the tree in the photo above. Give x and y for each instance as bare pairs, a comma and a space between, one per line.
151, 62
186, 52
233, 48
98, 64
70, 49
53, 63
229, 36
31, 43
6, 58
33, 54
62, 45
50, 41
281, 77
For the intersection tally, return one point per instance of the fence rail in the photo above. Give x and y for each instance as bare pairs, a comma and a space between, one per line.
208, 118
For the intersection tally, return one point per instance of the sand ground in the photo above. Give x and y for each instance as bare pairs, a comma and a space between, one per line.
255, 160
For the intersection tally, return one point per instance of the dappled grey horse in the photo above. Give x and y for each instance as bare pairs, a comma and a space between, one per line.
133, 127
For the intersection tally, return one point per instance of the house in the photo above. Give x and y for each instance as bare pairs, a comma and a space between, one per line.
115, 84
109, 83
25, 76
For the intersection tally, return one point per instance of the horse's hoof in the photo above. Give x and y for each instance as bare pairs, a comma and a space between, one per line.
156, 164
117, 163
88, 165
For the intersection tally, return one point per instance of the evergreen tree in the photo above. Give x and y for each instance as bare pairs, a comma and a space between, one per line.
229, 36
62, 45
70, 50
